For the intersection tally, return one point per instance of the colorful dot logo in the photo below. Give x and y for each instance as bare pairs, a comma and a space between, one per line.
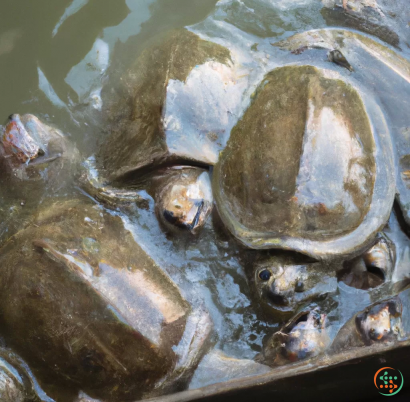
388, 381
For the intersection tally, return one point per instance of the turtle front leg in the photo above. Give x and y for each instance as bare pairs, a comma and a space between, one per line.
108, 195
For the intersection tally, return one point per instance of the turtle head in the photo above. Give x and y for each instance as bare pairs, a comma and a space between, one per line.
185, 202
380, 323
305, 335
18, 142
285, 281
27, 145
372, 268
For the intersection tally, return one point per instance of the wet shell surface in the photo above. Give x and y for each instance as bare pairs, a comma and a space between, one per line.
301, 169
82, 299
173, 106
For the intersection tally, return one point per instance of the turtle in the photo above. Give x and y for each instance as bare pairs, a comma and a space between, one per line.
148, 111
37, 161
87, 308
311, 203
253, 181
301, 173
31, 150
305, 336
379, 323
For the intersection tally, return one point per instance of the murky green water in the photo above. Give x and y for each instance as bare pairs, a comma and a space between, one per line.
55, 57
43, 44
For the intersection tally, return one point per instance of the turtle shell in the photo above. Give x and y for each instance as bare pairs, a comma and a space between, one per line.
176, 103
82, 301
302, 169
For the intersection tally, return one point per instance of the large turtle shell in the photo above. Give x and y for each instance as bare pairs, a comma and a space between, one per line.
305, 169
82, 301
173, 104
382, 75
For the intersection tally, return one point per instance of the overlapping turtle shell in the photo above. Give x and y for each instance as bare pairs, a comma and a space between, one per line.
176, 103
302, 169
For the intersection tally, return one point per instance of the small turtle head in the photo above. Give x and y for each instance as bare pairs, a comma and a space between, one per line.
380, 323
304, 336
284, 282
17, 141
185, 204
372, 268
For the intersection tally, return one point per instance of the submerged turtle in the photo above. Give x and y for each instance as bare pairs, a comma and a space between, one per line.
85, 306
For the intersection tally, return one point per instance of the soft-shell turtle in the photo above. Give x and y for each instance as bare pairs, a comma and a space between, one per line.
306, 164
304, 336
82, 302
385, 322
302, 171
310, 165
157, 118
307, 169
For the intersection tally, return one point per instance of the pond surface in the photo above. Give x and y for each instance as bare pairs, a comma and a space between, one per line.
56, 56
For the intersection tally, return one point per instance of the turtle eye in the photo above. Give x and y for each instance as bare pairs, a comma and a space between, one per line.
265, 275
300, 286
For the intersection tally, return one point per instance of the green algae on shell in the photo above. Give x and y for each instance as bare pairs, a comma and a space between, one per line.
299, 169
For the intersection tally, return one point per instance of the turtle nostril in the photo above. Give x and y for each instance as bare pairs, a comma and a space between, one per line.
300, 286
